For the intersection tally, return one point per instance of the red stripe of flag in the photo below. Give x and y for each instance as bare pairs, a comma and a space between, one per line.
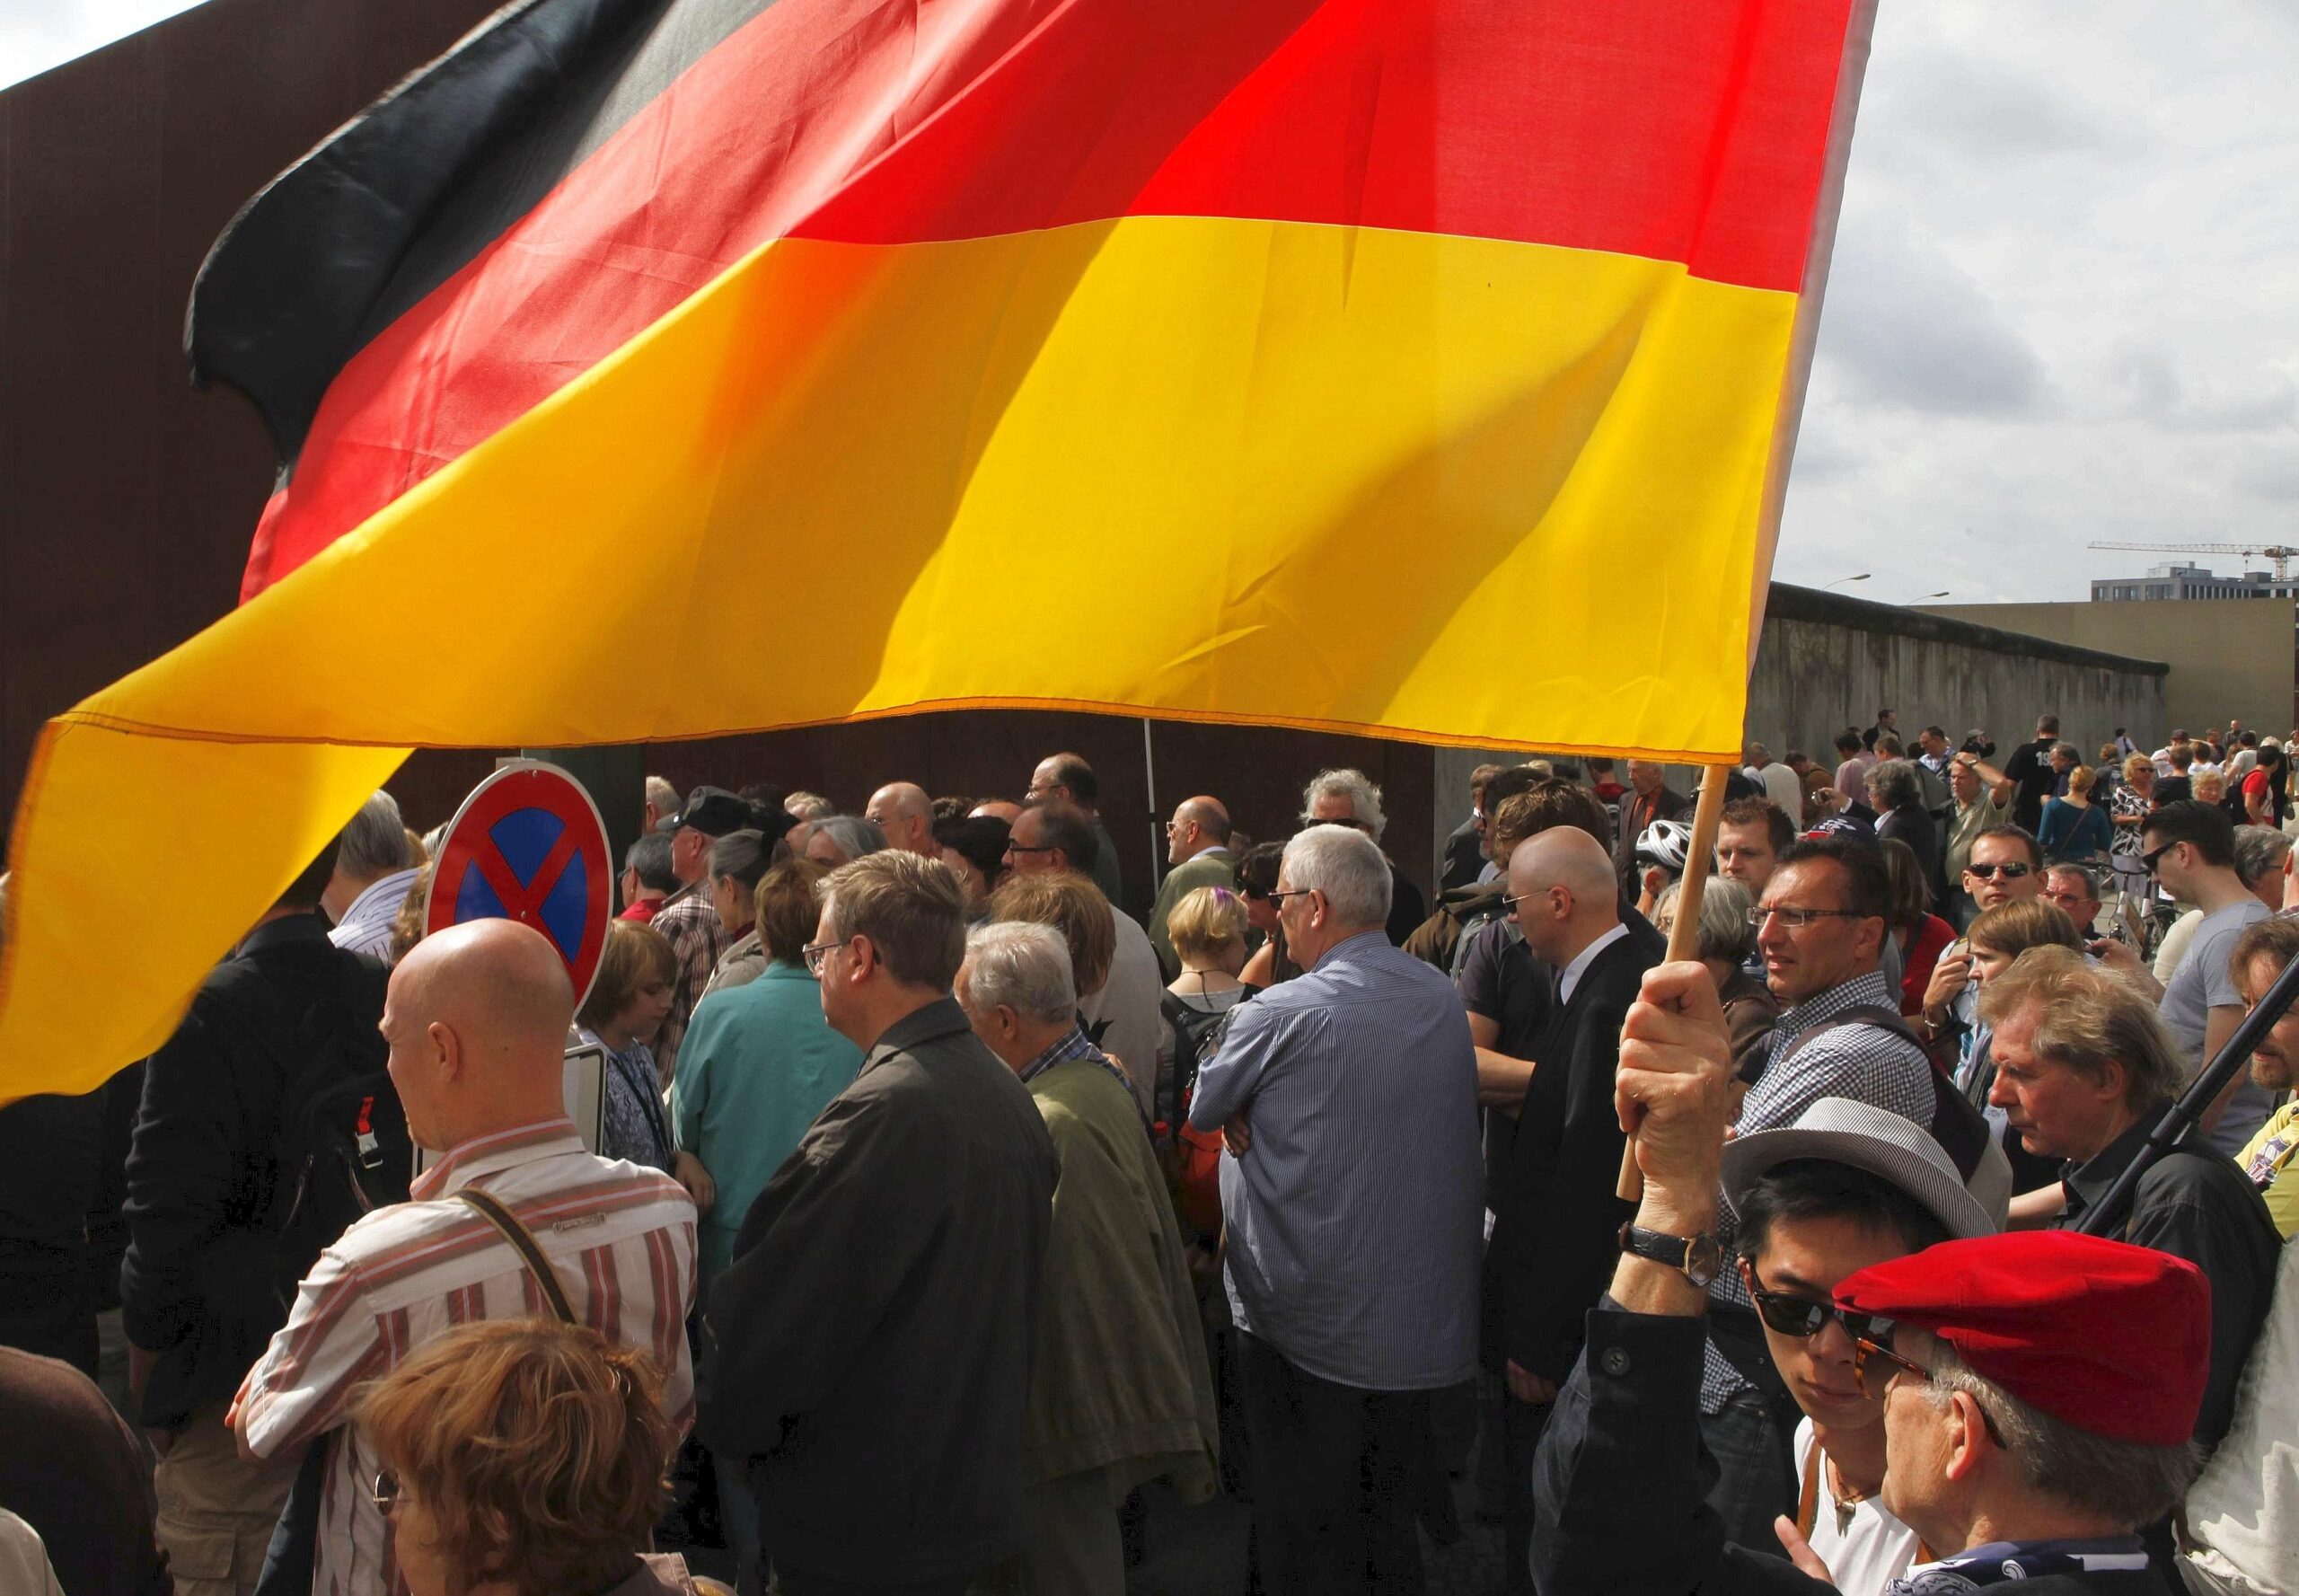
1681, 133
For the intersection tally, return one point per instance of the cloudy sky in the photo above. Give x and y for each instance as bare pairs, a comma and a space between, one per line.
2064, 302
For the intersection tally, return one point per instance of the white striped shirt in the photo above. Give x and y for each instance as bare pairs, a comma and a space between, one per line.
621, 1239
366, 925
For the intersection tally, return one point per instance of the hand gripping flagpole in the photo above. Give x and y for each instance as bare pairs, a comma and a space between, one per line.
1683, 936
2106, 1217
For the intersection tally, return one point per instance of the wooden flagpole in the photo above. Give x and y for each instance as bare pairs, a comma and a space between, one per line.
1683, 937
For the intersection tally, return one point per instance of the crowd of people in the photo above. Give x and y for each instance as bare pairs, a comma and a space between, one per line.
934, 1207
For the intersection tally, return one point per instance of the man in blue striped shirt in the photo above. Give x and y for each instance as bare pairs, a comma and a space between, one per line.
375, 869
1353, 1196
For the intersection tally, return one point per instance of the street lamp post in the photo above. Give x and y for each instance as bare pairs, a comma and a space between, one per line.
1840, 581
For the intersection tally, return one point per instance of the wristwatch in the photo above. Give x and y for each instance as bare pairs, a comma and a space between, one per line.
1699, 1256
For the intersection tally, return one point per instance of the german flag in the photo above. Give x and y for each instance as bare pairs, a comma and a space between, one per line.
1427, 367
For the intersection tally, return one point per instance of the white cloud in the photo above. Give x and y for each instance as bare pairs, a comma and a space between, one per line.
38, 34
1905, 328
2063, 303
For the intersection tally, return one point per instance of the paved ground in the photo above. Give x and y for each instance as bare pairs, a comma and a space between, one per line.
1201, 1551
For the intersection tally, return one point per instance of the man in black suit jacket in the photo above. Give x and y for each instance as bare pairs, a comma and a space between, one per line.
1556, 1220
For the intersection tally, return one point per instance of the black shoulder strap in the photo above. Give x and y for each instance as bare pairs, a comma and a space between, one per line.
522, 1242
1869, 1014
1960, 1129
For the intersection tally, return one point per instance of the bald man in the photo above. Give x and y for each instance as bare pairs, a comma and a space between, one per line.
1197, 846
906, 814
476, 1020
1556, 1219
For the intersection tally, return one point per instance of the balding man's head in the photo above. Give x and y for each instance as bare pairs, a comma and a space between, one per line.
476, 1019
1566, 893
906, 814
1198, 824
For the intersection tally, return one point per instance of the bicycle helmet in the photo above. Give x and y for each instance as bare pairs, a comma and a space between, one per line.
1665, 843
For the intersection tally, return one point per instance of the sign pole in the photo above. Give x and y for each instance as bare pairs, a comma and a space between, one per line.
1683, 936
1150, 778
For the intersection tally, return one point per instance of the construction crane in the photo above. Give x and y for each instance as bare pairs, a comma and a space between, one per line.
2277, 552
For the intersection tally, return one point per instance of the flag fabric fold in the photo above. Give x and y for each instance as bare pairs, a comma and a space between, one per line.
1413, 367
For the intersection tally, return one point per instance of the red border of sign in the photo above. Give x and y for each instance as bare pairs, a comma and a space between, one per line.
527, 784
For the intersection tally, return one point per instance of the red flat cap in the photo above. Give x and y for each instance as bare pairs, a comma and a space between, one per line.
2112, 1338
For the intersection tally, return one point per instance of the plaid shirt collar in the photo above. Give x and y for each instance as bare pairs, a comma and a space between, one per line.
1072, 1044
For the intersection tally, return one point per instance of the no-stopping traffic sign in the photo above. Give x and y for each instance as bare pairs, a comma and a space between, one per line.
528, 845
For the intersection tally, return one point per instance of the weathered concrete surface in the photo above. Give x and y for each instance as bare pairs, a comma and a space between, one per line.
2228, 656
1827, 661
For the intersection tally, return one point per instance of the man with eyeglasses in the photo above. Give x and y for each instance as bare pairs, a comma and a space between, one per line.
1054, 835
2005, 866
1351, 1199
1069, 778
1820, 928
1197, 846
2034, 1390
869, 1347
2074, 889
904, 812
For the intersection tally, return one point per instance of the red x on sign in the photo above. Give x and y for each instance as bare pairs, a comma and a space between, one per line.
528, 845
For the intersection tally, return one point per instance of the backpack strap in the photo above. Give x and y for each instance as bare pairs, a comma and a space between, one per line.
1959, 1128
523, 1243
1868, 1014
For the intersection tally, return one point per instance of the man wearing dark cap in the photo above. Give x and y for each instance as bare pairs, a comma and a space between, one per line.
687, 917
2037, 1387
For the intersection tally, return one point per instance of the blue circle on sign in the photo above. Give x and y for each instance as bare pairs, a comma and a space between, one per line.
524, 837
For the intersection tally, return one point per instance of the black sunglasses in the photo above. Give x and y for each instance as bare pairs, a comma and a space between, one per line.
1867, 1351
2147, 860
2009, 872
1791, 1315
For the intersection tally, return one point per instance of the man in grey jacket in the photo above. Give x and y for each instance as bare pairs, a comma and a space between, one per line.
870, 1345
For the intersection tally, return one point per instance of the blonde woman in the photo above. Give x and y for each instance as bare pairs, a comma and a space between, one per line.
1208, 928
